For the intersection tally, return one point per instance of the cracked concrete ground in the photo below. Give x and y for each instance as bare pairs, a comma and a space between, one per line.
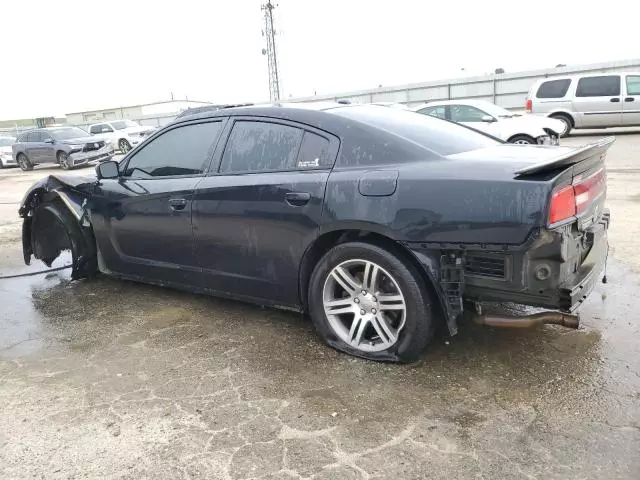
112, 379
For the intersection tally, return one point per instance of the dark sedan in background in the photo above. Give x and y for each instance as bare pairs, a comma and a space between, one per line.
68, 147
378, 222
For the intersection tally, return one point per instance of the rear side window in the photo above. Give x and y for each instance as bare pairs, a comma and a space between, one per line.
553, 88
440, 136
605, 86
181, 151
261, 147
314, 152
633, 84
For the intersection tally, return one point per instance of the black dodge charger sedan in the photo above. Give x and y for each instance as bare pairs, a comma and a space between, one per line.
378, 222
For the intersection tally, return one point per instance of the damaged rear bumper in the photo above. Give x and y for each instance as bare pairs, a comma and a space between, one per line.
554, 269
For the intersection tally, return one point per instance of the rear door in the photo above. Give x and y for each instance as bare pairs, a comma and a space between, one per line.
598, 102
256, 217
35, 147
142, 220
631, 106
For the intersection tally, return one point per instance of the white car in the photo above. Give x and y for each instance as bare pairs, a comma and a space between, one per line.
6, 153
124, 134
496, 121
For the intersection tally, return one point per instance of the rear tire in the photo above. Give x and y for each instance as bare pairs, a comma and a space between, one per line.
385, 314
568, 123
24, 162
523, 140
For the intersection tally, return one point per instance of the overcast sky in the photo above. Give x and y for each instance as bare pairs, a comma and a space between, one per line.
70, 55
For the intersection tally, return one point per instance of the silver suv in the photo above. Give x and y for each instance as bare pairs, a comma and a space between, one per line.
588, 101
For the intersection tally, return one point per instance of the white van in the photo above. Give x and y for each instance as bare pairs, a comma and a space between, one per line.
588, 101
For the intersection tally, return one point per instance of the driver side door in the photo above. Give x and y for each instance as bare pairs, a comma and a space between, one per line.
142, 220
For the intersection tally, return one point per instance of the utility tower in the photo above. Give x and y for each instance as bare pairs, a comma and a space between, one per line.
270, 51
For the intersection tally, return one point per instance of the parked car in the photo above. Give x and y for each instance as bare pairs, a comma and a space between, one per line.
588, 101
69, 147
6, 154
376, 221
497, 121
123, 134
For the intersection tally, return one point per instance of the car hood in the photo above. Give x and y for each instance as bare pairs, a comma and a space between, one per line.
90, 139
139, 129
525, 122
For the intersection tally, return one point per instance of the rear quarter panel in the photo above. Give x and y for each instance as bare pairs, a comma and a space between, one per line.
440, 201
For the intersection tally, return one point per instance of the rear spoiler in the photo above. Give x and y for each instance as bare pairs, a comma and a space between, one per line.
570, 158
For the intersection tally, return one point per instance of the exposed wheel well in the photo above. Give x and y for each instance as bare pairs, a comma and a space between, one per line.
58, 154
326, 242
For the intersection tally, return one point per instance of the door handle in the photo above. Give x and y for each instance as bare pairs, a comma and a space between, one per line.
629, 99
176, 204
297, 199
615, 100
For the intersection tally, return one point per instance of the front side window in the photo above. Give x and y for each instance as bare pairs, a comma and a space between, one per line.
255, 146
466, 113
553, 88
181, 151
438, 111
95, 129
633, 84
122, 124
33, 137
605, 86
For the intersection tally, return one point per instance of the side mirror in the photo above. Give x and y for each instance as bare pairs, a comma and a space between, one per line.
107, 170
48, 140
488, 119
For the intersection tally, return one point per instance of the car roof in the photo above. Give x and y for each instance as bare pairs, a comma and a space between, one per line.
309, 113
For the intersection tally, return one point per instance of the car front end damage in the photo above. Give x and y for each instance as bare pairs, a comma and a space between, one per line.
91, 153
54, 220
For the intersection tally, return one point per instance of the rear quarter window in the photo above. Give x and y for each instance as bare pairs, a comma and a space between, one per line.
553, 88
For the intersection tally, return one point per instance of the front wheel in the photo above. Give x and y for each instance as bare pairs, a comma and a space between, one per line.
365, 301
568, 124
24, 162
64, 161
124, 145
523, 140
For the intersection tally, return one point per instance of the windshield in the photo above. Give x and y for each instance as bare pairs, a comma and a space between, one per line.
68, 133
440, 136
120, 124
494, 110
7, 141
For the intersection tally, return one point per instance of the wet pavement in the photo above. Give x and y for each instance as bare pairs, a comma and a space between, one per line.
107, 378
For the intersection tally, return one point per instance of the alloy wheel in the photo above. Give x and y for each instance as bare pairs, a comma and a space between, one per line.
364, 305
124, 146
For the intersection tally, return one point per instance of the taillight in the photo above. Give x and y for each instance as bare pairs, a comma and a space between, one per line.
563, 204
529, 105
577, 198
588, 189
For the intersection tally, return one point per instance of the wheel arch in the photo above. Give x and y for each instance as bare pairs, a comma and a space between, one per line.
563, 113
329, 239
67, 207
512, 137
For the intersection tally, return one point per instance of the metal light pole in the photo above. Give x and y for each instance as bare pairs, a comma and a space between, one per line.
270, 51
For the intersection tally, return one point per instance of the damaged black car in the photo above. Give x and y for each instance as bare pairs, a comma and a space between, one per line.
377, 222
